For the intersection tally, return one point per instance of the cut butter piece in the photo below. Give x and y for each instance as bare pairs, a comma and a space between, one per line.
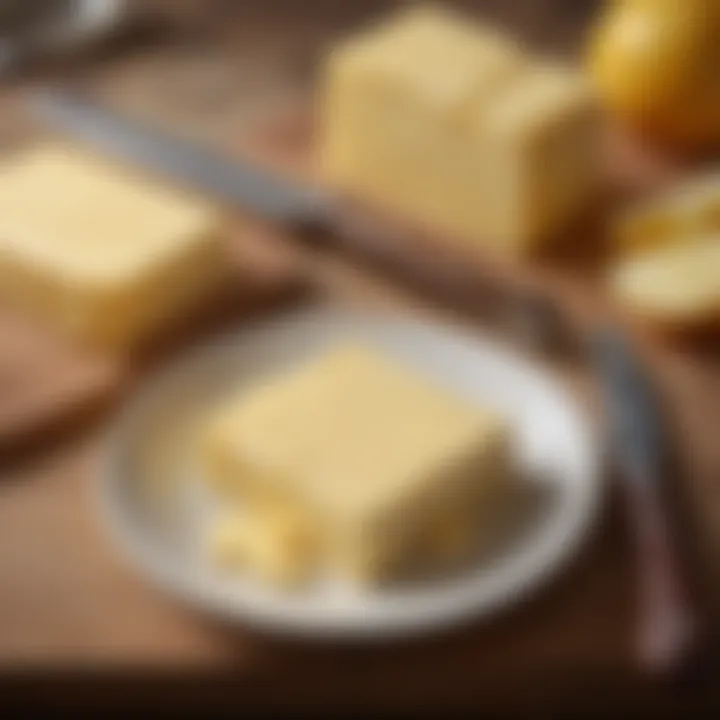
266, 542
374, 456
454, 126
103, 255
675, 285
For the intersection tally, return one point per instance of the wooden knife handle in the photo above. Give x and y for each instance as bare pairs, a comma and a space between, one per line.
667, 625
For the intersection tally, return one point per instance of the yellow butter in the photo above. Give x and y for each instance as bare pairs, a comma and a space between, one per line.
103, 255
371, 452
266, 542
455, 126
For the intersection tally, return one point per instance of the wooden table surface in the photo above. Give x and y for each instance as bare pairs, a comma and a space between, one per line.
80, 623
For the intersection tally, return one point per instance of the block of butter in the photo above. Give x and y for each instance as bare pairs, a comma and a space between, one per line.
103, 255
455, 126
676, 286
383, 464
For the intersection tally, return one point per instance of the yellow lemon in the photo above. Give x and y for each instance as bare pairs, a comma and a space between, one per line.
657, 65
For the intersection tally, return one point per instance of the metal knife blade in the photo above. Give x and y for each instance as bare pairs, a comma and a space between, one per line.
232, 180
667, 622
634, 414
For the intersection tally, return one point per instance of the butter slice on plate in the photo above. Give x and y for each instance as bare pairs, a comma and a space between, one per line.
374, 456
104, 255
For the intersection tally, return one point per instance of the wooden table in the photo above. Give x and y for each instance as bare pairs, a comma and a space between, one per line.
79, 625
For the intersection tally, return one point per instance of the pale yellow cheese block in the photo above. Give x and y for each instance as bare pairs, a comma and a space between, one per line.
453, 125
675, 285
374, 455
100, 253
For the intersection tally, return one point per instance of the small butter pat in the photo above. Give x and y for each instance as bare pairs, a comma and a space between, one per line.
377, 459
676, 285
455, 126
103, 255
270, 544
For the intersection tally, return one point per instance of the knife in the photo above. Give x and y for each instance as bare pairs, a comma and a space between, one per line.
667, 625
328, 217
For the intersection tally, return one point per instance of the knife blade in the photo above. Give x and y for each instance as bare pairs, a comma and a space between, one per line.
235, 181
633, 408
667, 624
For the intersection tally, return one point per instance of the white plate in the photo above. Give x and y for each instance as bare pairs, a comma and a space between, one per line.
156, 507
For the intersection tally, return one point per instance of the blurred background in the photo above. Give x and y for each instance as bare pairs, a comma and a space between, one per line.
220, 61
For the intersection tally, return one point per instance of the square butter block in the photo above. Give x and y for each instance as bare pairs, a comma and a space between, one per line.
384, 465
105, 256
456, 126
